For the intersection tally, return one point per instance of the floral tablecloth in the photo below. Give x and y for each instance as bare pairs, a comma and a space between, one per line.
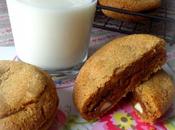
67, 118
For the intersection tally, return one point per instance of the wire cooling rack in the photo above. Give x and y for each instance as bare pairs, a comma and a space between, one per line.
160, 22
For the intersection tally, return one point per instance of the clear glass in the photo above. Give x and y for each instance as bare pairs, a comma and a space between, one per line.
50, 35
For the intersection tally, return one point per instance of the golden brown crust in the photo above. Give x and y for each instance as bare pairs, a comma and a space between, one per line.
130, 5
49, 122
111, 61
123, 17
155, 96
27, 96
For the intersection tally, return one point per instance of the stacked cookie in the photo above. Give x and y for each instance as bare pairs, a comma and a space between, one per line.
152, 98
121, 66
130, 5
28, 99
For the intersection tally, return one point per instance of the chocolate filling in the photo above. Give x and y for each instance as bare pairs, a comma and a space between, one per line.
120, 84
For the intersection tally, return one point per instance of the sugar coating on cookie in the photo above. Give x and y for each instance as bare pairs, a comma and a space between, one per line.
115, 69
154, 96
28, 98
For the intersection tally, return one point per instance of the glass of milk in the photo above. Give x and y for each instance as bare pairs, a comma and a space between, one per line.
52, 34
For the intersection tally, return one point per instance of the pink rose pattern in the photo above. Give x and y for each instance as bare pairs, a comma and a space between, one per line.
127, 120
123, 118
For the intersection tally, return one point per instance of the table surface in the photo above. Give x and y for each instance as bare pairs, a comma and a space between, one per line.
67, 117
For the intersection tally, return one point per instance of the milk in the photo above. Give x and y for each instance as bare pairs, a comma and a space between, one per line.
51, 34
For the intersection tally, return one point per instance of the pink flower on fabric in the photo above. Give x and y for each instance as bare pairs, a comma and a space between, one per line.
105, 123
61, 117
141, 125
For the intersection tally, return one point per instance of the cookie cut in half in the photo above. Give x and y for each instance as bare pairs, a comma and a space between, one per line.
114, 70
28, 98
152, 98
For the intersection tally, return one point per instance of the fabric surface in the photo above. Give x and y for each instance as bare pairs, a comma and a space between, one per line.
123, 118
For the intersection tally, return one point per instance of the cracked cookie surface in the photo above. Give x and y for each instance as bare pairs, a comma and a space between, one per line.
28, 97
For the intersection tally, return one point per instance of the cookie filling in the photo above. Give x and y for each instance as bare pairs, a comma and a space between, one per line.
119, 85
145, 110
138, 107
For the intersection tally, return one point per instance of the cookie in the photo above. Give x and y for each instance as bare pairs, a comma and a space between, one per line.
130, 5
152, 98
114, 70
28, 98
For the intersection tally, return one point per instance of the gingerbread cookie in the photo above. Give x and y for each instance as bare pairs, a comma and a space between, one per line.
114, 70
28, 98
130, 5
152, 98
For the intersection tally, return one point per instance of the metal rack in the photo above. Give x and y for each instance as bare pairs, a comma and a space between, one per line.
160, 22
